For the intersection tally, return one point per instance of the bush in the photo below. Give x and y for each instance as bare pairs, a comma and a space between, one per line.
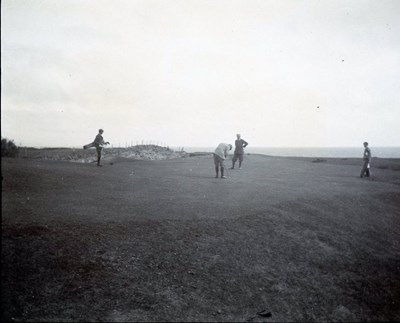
8, 148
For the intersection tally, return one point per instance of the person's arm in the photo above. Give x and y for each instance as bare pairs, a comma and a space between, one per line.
367, 153
226, 150
245, 143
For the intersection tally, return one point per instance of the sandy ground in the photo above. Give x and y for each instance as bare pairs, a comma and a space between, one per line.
303, 239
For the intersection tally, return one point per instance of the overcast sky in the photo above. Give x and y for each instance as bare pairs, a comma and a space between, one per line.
195, 73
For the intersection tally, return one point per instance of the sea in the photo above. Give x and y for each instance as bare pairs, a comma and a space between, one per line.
327, 152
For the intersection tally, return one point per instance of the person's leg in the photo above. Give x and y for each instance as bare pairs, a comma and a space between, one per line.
240, 160
222, 168
98, 149
367, 170
216, 165
364, 168
234, 159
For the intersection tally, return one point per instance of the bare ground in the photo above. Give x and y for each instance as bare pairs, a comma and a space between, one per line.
303, 239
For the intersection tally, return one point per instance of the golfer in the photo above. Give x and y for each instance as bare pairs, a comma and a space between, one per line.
220, 154
367, 160
240, 144
98, 143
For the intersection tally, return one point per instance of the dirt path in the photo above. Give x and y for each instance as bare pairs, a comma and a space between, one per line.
166, 241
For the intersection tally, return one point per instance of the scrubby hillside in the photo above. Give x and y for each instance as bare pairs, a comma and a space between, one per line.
140, 152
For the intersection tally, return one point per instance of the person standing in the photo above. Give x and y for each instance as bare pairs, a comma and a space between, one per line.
240, 144
220, 154
367, 161
98, 143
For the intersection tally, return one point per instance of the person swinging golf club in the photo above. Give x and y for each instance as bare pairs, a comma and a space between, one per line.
220, 154
98, 143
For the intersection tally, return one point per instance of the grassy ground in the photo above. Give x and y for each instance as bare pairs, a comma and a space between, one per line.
166, 241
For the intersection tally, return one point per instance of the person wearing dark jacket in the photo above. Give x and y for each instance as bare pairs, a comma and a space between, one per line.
98, 143
240, 144
367, 160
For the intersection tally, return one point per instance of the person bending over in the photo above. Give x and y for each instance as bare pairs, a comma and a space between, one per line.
220, 154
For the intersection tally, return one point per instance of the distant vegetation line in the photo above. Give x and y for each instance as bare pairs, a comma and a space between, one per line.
10, 149
152, 152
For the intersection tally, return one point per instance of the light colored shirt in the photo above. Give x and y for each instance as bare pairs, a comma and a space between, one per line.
222, 150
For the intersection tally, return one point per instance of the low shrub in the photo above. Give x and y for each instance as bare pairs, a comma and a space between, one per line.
8, 148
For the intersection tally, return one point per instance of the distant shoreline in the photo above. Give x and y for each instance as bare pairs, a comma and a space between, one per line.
314, 152
310, 152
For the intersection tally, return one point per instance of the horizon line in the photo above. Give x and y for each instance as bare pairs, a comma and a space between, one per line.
174, 146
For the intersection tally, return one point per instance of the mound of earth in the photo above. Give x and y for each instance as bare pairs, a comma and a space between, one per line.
140, 152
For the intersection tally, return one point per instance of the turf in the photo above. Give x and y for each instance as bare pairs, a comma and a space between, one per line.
166, 241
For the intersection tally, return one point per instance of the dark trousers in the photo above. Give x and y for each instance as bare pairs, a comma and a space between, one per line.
365, 169
219, 163
235, 157
98, 149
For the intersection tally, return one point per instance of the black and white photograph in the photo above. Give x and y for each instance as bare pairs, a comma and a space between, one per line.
200, 160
